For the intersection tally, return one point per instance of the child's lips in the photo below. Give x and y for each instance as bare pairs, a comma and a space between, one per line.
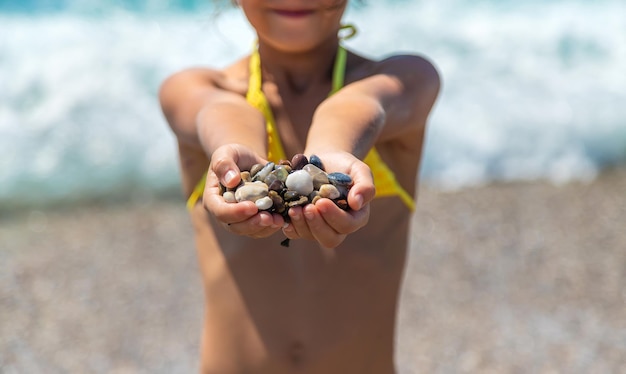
293, 13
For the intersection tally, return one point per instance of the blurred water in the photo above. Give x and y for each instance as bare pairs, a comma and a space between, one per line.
531, 90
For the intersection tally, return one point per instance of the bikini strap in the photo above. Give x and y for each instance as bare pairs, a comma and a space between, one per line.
256, 98
339, 69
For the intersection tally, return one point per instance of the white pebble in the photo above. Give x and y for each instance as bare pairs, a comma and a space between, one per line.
264, 203
251, 192
229, 196
300, 181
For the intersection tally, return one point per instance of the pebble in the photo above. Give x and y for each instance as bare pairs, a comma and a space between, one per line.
319, 176
343, 192
314, 160
329, 191
290, 195
251, 191
301, 201
229, 196
264, 203
263, 173
245, 176
281, 172
340, 179
299, 161
278, 187
277, 202
255, 169
300, 181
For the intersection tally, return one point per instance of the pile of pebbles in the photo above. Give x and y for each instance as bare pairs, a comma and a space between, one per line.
276, 188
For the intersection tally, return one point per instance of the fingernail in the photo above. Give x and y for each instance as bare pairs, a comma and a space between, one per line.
308, 215
230, 175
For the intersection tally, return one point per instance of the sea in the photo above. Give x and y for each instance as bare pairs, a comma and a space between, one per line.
531, 90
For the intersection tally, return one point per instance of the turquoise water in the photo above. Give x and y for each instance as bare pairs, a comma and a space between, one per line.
531, 90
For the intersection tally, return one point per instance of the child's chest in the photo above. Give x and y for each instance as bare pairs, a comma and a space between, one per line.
293, 116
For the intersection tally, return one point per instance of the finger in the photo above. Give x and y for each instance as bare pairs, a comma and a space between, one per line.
230, 212
323, 233
276, 222
227, 160
225, 212
226, 170
259, 226
363, 189
342, 221
253, 233
298, 223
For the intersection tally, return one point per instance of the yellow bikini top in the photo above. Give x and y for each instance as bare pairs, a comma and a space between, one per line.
384, 179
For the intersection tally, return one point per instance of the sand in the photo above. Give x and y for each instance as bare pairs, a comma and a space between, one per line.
506, 278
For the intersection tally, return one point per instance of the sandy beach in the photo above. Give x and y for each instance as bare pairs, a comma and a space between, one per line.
507, 278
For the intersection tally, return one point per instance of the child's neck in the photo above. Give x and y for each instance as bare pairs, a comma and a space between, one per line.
298, 71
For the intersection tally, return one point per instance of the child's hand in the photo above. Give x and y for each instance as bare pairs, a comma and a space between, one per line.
325, 222
241, 218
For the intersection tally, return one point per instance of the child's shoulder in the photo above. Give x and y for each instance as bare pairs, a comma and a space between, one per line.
416, 69
194, 82
183, 94
191, 78
204, 77
410, 81
187, 82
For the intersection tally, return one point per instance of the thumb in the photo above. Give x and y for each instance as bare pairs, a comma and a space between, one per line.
226, 171
363, 189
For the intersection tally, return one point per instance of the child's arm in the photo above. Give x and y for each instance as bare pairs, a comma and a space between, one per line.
221, 123
392, 104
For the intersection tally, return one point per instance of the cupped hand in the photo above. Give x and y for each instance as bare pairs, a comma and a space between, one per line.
243, 218
325, 222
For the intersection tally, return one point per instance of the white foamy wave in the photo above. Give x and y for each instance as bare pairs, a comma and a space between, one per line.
531, 90
79, 114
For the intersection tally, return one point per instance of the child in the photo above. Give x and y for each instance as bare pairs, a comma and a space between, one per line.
327, 303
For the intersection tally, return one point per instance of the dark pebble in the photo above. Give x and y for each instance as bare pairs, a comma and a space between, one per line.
255, 169
276, 185
270, 178
340, 179
343, 204
291, 195
301, 201
298, 161
279, 204
316, 161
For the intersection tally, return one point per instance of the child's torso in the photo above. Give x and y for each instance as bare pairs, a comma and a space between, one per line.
277, 308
